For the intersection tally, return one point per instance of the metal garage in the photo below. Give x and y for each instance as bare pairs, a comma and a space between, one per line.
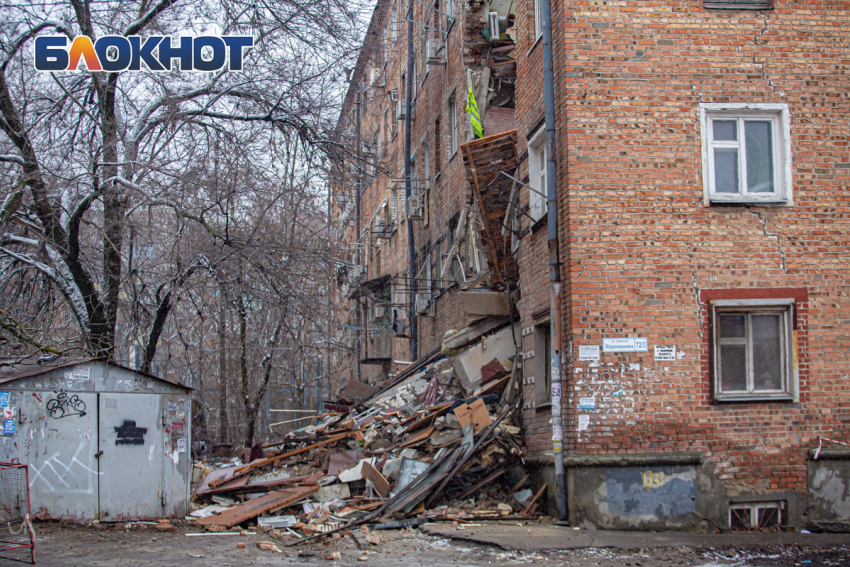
101, 441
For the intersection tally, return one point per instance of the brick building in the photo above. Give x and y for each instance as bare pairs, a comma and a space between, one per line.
451, 52
702, 167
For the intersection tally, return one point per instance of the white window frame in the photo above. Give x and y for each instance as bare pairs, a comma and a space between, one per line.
790, 386
537, 176
452, 125
449, 8
538, 19
780, 117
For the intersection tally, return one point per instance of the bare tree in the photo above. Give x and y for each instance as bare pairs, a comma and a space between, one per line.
93, 159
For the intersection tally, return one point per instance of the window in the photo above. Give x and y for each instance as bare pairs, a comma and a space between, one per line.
425, 181
450, 12
452, 145
746, 153
739, 4
753, 347
538, 19
750, 516
393, 23
393, 206
542, 370
538, 157
438, 158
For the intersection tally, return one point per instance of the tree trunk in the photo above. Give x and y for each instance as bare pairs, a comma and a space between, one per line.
222, 371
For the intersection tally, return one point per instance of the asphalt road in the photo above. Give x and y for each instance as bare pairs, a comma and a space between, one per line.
68, 546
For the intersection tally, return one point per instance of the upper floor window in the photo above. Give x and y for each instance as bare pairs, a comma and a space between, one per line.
538, 19
746, 153
538, 157
739, 4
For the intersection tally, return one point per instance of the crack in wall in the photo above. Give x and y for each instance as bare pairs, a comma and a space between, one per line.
775, 235
695, 287
763, 64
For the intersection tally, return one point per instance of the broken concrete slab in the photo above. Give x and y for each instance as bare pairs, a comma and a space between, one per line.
332, 492
484, 303
474, 332
467, 365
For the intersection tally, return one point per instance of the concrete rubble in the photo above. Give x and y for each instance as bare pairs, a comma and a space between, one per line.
438, 443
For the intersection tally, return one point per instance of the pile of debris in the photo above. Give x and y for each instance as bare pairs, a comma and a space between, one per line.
440, 442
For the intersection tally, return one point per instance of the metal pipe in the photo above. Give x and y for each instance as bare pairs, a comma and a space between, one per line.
408, 103
554, 262
357, 227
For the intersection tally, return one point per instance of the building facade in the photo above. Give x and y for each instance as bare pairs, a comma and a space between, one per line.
704, 230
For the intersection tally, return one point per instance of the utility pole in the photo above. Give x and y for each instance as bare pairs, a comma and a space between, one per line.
554, 262
357, 226
408, 103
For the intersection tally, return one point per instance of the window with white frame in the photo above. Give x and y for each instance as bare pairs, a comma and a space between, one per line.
450, 12
753, 349
746, 153
538, 19
538, 156
452, 145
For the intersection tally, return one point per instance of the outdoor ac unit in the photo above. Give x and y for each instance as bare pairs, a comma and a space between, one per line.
493, 20
423, 305
415, 210
433, 52
376, 77
394, 95
381, 229
401, 109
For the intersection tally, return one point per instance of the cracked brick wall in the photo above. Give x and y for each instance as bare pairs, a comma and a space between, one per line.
640, 246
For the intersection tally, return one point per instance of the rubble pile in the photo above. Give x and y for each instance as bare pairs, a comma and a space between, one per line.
439, 442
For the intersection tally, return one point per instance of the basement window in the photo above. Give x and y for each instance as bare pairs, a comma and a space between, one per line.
739, 4
753, 350
746, 153
752, 516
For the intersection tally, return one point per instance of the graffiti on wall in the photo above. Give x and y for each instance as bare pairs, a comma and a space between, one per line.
54, 472
129, 434
64, 405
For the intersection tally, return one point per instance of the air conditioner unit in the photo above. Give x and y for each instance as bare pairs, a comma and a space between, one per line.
423, 305
394, 95
342, 200
376, 77
415, 210
401, 109
434, 52
381, 229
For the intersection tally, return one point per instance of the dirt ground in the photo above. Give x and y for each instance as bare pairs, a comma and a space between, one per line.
140, 545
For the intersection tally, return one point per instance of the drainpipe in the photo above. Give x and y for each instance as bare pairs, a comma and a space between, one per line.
357, 227
408, 103
554, 262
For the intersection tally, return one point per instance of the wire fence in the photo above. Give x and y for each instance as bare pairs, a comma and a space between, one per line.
19, 544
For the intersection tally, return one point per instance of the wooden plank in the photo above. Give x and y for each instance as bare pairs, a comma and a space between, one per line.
247, 469
533, 500
274, 500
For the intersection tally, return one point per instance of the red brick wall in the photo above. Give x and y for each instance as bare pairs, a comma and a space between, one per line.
642, 245
448, 193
